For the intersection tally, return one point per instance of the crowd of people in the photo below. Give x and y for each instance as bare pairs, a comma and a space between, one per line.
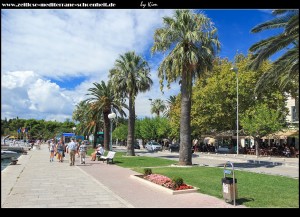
59, 148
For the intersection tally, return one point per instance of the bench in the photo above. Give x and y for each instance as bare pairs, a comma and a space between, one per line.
108, 157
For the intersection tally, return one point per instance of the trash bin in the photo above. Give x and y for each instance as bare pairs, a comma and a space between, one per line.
228, 190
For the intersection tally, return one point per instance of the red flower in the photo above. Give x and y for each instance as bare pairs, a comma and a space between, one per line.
166, 182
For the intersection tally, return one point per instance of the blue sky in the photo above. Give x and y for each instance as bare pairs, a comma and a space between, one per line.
51, 57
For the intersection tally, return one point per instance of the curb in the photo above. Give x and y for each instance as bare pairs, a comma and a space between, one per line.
161, 188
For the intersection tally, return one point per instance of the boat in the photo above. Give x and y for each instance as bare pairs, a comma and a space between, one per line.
8, 154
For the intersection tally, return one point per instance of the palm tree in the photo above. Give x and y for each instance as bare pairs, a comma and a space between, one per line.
285, 70
103, 99
80, 114
170, 103
130, 75
157, 106
192, 42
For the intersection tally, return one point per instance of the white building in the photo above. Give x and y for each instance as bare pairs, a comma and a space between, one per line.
292, 116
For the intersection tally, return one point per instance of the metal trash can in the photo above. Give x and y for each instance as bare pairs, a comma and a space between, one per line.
228, 190
228, 185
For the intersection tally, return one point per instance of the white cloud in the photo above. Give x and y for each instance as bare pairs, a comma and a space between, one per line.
41, 45
26, 95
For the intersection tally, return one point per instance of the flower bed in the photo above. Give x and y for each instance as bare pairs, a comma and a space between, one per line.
164, 183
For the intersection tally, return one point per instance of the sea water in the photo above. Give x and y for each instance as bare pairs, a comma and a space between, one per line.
6, 162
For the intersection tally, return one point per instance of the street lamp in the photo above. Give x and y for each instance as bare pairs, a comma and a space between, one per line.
235, 69
111, 116
74, 128
150, 105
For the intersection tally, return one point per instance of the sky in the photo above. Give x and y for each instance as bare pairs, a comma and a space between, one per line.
51, 57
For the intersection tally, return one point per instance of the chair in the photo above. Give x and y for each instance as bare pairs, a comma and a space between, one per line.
108, 157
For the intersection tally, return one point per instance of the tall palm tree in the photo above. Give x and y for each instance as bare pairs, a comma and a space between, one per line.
157, 106
80, 114
170, 103
130, 75
94, 120
103, 99
192, 43
90, 119
285, 70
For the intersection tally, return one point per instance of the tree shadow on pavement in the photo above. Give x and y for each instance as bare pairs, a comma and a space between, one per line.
254, 164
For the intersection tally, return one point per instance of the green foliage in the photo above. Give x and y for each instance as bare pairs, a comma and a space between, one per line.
130, 76
120, 132
254, 190
147, 171
152, 128
157, 106
37, 129
261, 120
101, 102
137, 161
191, 43
178, 181
147, 128
181, 36
214, 97
174, 118
285, 70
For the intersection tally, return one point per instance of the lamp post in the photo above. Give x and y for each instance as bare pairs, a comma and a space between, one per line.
74, 128
111, 116
235, 69
150, 105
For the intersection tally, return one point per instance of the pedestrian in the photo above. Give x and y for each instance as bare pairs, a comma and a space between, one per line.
52, 149
60, 150
48, 142
98, 152
82, 151
72, 150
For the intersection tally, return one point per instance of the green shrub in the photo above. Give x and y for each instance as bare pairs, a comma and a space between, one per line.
147, 171
178, 181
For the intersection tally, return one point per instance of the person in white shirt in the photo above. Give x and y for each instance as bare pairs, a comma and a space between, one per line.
98, 152
72, 150
82, 151
52, 149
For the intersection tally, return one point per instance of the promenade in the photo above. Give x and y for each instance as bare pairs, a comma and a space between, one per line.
37, 183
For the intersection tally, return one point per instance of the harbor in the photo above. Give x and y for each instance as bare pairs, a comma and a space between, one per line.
11, 150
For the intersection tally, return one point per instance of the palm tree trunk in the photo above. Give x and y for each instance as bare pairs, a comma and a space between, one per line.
130, 137
95, 137
185, 152
106, 131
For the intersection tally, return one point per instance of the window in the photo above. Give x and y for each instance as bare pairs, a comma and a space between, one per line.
294, 114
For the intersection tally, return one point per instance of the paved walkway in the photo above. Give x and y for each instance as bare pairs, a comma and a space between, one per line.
36, 182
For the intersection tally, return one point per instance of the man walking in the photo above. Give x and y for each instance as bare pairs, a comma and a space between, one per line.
72, 150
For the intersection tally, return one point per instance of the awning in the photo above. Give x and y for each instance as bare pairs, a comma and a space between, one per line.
209, 140
282, 134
